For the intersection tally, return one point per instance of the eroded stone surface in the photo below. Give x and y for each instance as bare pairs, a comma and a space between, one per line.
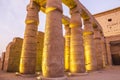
53, 53
77, 63
12, 55
29, 48
40, 41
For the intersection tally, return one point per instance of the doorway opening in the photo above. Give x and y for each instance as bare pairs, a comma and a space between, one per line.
115, 52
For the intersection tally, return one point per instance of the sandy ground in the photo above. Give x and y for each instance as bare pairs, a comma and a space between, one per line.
109, 73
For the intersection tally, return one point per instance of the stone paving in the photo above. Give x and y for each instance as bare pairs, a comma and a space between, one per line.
110, 73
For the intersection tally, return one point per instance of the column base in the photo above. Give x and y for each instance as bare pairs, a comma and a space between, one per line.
58, 78
25, 75
77, 74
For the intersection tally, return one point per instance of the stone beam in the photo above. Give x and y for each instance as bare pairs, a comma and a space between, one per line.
71, 4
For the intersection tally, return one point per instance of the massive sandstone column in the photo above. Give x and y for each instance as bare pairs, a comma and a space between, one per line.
99, 55
67, 47
28, 56
104, 51
40, 42
53, 52
89, 47
77, 63
109, 53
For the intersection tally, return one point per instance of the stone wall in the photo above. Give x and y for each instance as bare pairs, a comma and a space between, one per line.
110, 21
12, 56
11, 59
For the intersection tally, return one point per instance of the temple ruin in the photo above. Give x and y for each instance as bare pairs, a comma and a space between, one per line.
80, 50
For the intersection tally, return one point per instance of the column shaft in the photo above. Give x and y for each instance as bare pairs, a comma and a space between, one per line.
53, 52
109, 54
104, 51
28, 56
77, 63
89, 47
67, 47
99, 55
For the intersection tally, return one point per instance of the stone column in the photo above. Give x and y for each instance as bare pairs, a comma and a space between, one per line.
104, 51
29, 48
67, 47
89, 47
109, 54
77, 61
99, 55
53, 52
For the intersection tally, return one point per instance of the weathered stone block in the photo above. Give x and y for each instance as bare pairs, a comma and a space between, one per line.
12, 56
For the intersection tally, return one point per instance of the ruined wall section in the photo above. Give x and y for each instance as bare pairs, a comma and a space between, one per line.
12, 55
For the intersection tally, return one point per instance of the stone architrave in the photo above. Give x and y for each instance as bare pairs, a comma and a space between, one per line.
67, 47
99, 55
89, 47
29, 48
12, 55
77, 58
40, 41
53, 52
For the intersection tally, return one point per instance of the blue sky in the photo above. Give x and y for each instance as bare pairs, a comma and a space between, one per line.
13, 12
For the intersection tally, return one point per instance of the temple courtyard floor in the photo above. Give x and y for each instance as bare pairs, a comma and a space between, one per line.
109, 73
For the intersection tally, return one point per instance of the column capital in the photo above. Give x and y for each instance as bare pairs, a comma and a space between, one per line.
54, 6
33, 6
75, 20
85, 33
74, 10
97, 34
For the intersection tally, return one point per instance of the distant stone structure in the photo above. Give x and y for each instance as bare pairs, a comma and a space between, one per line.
12, 55
2, 60
10, 59
110, 22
